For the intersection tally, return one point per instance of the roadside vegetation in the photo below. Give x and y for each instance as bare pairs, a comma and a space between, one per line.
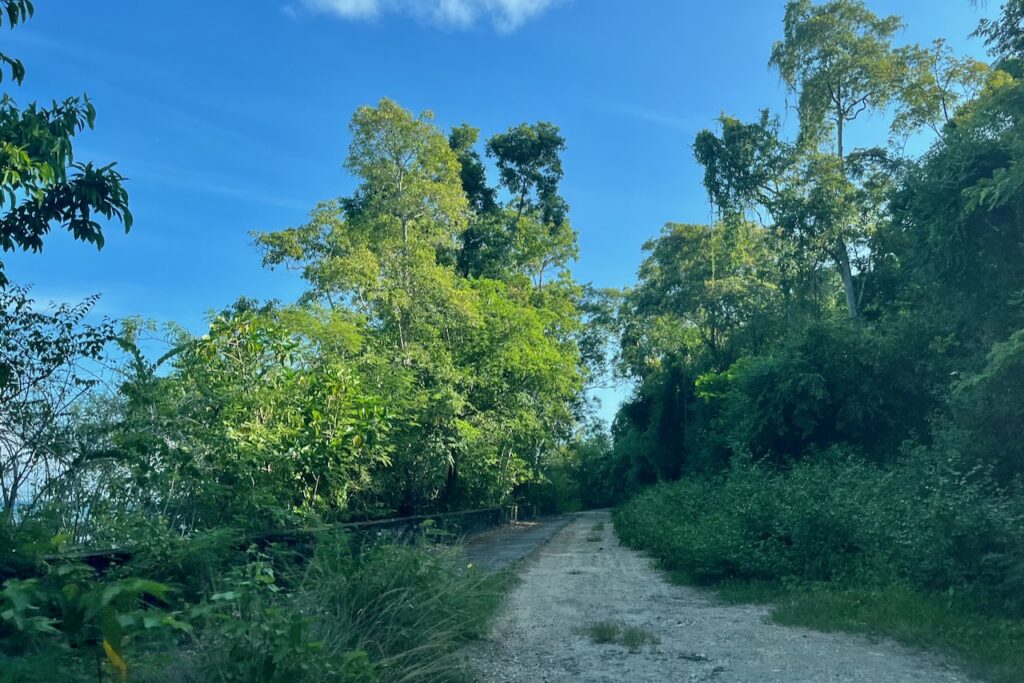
829, 379
435, 362
828, 410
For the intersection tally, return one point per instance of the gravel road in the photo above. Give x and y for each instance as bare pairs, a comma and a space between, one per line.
582, 576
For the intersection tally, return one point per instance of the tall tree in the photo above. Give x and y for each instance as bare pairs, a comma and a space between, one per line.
529, 164
839, 59
482, 367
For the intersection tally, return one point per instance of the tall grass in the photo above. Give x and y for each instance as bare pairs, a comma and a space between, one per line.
386, 612
410, 608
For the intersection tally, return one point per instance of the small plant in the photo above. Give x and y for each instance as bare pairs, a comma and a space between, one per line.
255, 634
612, 633
69, 625
635, 638
598, 528
594, 539
604, 632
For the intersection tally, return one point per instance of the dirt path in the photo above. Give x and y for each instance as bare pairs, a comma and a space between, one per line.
582, 576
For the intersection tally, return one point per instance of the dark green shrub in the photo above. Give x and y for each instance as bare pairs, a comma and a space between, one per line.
835, 517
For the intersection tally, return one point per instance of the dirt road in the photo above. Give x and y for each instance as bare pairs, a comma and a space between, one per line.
583, 576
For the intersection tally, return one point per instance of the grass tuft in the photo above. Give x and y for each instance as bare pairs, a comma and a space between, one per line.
612, 633
603, 632
635, 638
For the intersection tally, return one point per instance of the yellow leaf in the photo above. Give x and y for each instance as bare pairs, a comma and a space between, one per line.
115, 660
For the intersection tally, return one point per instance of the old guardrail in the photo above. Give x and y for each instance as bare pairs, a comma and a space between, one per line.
452, 525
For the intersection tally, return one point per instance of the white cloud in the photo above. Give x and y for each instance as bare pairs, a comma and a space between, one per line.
504, 15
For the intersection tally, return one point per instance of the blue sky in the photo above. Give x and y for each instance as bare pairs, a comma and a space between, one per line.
232, 116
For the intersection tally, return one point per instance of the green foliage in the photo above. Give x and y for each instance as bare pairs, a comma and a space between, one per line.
1005, 35
840, 519
262, 419
602, 632
73, 626
610, 632
40, 183
838, 58
252, 634
409, 608
990, 647
15, 12
473, 346
43, 378
987, 411
827, 385
439, 356
370, 612
530, 167
860, 476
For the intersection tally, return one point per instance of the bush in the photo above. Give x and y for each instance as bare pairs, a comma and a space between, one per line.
834, 517
253, 633
988, 409
68, 625
828, 385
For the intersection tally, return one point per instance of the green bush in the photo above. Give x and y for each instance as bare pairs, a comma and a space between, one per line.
828, 384
69, 625
834, 517
255, 633
378, 612
988, 408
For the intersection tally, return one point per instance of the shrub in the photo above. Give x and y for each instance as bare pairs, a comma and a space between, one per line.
254, 633
68, 625
834, 517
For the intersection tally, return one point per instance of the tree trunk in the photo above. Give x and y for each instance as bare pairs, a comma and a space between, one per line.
843, 262
843, 255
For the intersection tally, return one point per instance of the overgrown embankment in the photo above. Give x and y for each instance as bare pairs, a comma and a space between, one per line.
209, 611
914, 551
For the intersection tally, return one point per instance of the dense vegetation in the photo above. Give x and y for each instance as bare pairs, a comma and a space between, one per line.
436, 362
829, 381
832, 372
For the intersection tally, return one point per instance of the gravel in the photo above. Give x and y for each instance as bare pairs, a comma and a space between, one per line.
583, 576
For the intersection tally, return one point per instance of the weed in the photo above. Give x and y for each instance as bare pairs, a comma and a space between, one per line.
610, 632
603, 632
635, 638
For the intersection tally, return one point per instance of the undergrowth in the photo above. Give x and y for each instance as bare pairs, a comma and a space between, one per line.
384, 612
911, 552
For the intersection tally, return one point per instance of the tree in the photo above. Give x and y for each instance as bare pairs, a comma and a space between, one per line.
1005, 35
262, 420
708, 283
47, 368
530, 167
40, 182
943, 85
839, 60
480, 360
